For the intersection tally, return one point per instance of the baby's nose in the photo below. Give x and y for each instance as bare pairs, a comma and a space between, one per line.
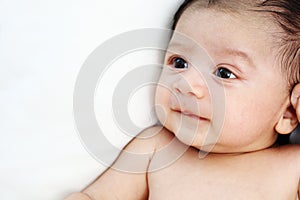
192, 83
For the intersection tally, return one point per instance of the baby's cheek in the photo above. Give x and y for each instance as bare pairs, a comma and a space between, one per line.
161, 103
236, 128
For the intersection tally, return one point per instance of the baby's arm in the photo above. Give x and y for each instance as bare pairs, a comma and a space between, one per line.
115, 184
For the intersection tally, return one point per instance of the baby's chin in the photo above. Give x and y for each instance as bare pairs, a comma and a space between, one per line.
190, 136
206, 145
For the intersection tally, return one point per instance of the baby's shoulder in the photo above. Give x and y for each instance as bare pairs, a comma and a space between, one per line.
150, 139
288, 155
290, 151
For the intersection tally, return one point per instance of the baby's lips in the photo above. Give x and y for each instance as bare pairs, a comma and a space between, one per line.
187, 104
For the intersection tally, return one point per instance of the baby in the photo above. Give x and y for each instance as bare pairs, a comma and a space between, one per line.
229, 87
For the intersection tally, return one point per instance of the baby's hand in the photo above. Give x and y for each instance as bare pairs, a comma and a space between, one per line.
295, 100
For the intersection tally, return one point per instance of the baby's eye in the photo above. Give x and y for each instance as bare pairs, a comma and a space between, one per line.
224, 73
179, 63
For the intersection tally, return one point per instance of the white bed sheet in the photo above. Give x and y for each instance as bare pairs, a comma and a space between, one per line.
42, 47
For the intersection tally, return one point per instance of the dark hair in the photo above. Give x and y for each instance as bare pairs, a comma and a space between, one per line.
179, 12
286, 13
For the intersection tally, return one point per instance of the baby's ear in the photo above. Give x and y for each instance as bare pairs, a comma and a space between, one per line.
295, 98
288, 121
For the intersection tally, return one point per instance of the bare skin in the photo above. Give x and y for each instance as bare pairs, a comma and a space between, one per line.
269, 174
257, 175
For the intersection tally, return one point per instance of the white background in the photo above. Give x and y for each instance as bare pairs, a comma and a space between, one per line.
42, 47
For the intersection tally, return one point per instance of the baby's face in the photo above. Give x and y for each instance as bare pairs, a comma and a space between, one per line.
224, 90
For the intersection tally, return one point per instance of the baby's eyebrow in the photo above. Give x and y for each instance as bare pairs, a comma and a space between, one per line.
243, 55
176, 46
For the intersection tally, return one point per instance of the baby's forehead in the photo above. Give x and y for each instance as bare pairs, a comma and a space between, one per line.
221, 32
252, 19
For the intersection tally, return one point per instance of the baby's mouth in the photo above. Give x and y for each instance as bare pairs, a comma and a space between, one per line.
190, 114
188, 107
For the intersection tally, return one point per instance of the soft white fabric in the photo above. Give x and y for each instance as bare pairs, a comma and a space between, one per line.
42, 47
